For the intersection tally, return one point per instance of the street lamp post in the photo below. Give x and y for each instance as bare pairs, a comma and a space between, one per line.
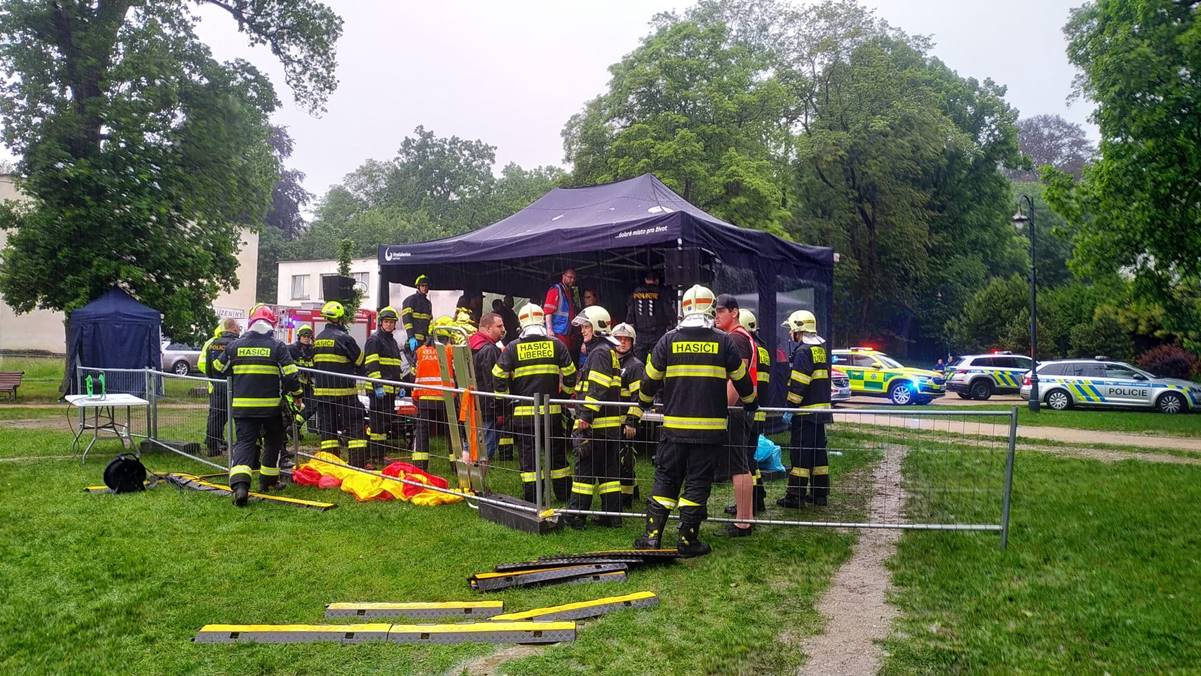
1021, 220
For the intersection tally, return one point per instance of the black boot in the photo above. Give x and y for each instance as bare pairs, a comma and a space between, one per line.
267, 483
690, 541
610, 502
760, 499
656, 518
241, 494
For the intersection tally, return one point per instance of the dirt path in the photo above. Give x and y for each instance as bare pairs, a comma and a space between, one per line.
489, 665
856, 605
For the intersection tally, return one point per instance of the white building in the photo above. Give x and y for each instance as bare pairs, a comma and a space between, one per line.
44, 330
299, 285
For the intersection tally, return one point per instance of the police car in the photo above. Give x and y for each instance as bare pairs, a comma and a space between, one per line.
874, 373
979, 376
1101, 382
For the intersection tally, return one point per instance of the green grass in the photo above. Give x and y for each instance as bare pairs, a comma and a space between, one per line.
1101, 575
103, 583
43, 375
1138, 422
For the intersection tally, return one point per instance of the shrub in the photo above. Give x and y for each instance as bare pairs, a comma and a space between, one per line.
1170, 361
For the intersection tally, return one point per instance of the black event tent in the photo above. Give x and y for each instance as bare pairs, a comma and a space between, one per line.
114, 332
609, 233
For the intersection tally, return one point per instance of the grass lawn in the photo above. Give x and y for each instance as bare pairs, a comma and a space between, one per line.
1101, 575
1137, 422
42, 376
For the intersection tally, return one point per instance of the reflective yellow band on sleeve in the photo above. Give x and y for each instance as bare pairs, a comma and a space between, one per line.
645, 398
794, 398
356, 443
420, 455
329, 443
815, 406
289, 369
802, 378
391, 361
330, 359
568, 370
600, 379
818, 374
371, 358
748, 398
498, 372
738, 373
529, 410
652, 372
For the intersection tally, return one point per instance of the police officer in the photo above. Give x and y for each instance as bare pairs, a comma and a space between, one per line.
597, 427
302, 356
632, 371
227, 332
339, 413
691, 366
809, 391
260, 371
536, 364
650, 310
383, 360
416, 311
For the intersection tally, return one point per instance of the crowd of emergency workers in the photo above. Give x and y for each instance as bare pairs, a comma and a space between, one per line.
699, 375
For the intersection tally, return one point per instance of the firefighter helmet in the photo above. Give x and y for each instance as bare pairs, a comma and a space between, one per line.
304, 330
595, 316
263, 313
747, 319
801, 321
699, 300
624, 330
531, 314
388, 313
333, 311
421, 279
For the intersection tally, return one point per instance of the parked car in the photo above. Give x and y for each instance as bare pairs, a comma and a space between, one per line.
179, 358
979, 376
1103, 383
840, 386
875, 374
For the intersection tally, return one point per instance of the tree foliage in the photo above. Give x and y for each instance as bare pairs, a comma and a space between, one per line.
1050, 140
141, 155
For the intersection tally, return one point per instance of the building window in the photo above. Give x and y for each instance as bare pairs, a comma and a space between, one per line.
321, 284
300, 287
362, 277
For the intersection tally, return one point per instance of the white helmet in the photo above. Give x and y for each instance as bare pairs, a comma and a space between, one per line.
531, 314
699, 300
624, 330
747, 319
596, 316
801, 321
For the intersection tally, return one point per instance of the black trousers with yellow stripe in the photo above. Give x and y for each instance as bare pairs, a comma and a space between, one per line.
214, 434
686, 465
246, 450
382, 412
342, 418
560, 472
598, 472
810, 463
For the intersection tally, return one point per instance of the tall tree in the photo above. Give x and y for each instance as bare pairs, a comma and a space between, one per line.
285, 220
139, 151
1137, 208
1051, 140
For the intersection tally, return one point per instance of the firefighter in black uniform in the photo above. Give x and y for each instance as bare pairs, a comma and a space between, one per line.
339, 413
302, 356
384, 360
260, 372
809, 391
416, 312
536, 364
597, 427
691, 366
651, 311
226, 333
632, 371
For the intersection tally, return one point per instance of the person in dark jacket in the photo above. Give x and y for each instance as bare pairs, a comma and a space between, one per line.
504, 308
339, 413
485, 351
809, 391
651, 310
302, 356
226, 333
383, 359
260, 372
632, 371
597, 426
416, 312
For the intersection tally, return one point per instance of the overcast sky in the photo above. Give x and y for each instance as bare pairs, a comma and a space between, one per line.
511, 73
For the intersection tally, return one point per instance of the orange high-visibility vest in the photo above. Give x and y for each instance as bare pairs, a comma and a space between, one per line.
429, 373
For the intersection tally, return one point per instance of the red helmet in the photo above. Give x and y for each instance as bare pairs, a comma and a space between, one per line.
264, 313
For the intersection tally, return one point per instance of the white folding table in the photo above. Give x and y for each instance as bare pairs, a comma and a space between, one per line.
104, 417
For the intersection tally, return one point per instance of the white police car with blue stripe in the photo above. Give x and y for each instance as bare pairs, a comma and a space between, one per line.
1103, 383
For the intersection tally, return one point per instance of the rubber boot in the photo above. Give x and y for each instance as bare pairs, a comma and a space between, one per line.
656, 519
268, 483
580, 502
795, 496
241, 494
610, 502
690, 541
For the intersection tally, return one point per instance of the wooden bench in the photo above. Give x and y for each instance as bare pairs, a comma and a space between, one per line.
10, 381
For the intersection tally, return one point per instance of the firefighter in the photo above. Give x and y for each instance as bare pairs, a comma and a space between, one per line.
383, 360
430, 403
226, 332
339, 413
691, 366
416, 311
808, 390
536, 364
751, 324
260, 372
597, 427
736, 463
302, 356
632, 371
651, 311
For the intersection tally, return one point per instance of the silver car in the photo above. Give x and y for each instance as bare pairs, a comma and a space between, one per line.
840, 386
179, 358
1110, 384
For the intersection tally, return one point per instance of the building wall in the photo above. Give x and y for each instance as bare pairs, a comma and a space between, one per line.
43, 330
368, 271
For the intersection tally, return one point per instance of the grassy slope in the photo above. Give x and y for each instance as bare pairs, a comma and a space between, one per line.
1101, 575
1138, 422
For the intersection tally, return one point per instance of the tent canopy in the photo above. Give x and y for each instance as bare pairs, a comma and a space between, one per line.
114, 332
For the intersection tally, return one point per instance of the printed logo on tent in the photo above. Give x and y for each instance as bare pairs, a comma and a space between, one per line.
390, 255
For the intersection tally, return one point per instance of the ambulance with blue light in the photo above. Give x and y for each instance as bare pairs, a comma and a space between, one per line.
873, 373
1102, 383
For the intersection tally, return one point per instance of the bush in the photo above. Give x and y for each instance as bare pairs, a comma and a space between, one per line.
1102, 336
1170, 361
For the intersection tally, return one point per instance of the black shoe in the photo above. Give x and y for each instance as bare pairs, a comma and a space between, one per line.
819, 502
576, 522
648, 542
693, 548
241, 494
731, 509
607, 521
736, 532
789, 502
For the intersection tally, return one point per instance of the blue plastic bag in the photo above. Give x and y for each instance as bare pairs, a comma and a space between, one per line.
767, 455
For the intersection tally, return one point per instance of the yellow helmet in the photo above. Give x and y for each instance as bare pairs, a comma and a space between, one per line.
333, 311
595, 316
388, 312
747, 319
531, 314
801, 321
699, 300
304, 329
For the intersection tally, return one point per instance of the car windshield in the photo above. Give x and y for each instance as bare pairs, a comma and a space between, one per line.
889, 362
956, 361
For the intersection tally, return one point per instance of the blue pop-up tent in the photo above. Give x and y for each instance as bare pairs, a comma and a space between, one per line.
114, 332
